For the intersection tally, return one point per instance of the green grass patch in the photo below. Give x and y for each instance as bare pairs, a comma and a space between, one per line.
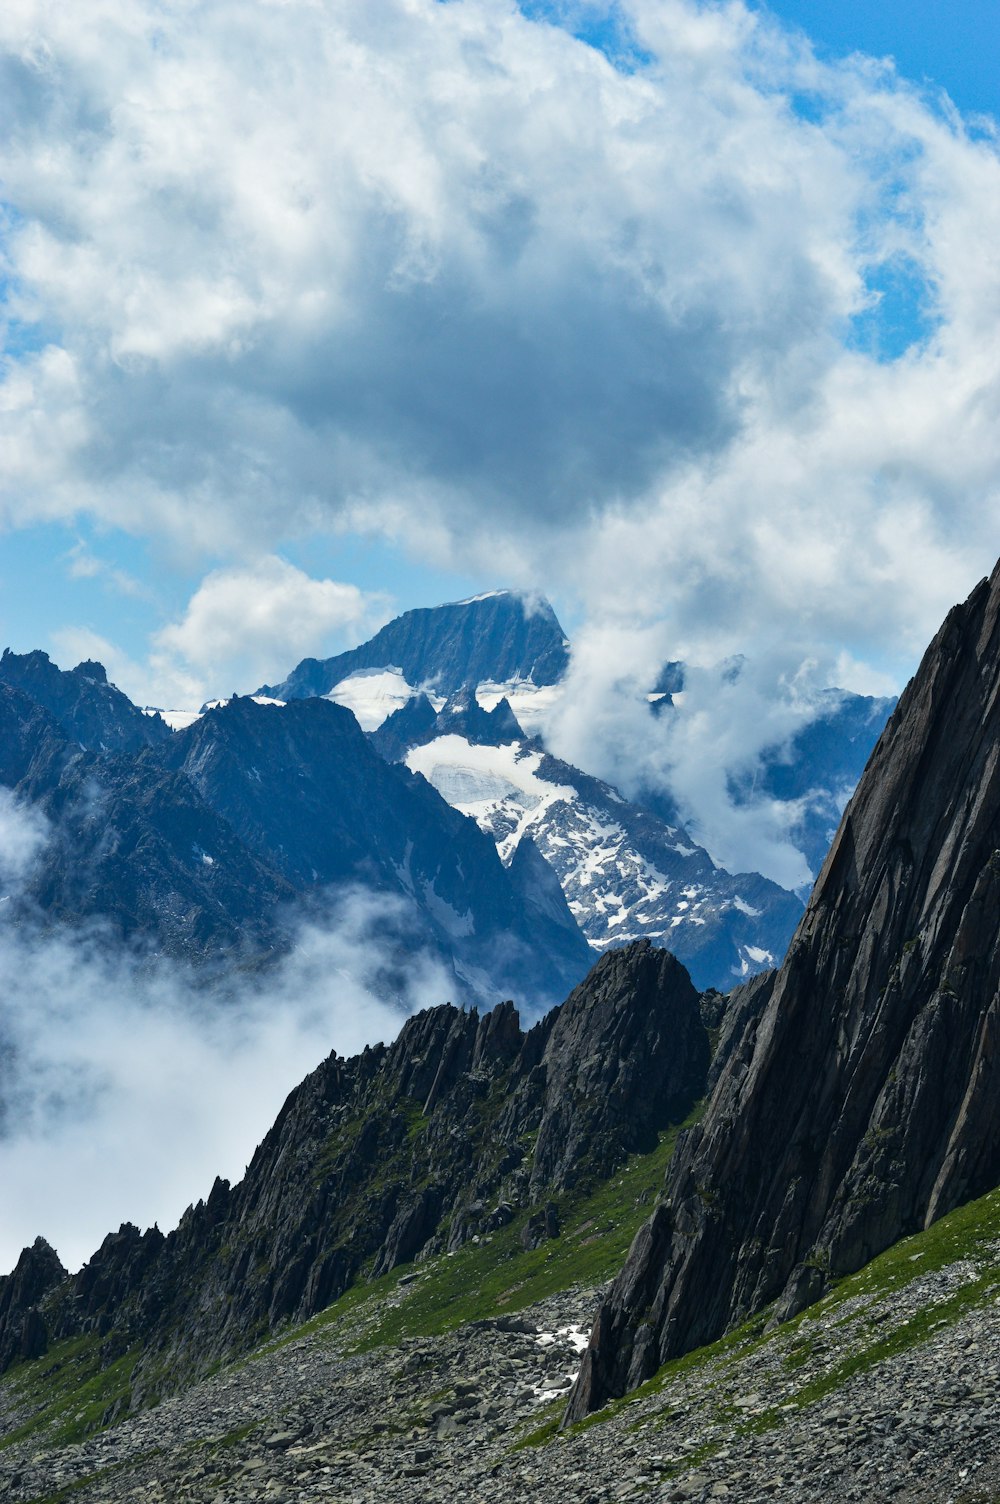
967, 1234
68, 1392
497, 1276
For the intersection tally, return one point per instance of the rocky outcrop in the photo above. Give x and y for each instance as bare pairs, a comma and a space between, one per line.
417, 722
617, 1066
462, 1124
208, 845
859, 1097
88, 710
23, 1331
500, 636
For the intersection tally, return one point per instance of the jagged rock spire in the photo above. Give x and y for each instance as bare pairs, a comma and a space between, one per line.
861, 1099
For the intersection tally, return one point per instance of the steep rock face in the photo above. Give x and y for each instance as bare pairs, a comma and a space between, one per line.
397, 1153
22, 1331
88, 709
499, 636
860, 1094
625, 1057
301, 786
624, 871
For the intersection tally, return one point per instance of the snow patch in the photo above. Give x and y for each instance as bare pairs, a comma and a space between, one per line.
479, 781
372, 695
177, 720
531, 703
575, 1337
487, 595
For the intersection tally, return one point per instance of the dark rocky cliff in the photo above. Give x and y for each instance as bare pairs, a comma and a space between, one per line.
859, 1098
499, 636
207, 845
90, 711
401, 1152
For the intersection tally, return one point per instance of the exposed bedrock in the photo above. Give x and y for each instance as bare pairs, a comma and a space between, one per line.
859, 1092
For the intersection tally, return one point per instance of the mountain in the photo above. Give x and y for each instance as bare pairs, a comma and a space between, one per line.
208, 843
501, 636
499, 656
461, 1126
300, 785
858, 1094
85, 707
818, 768
624, 871
131, 845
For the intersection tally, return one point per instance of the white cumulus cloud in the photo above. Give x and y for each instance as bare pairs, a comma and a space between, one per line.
244, 624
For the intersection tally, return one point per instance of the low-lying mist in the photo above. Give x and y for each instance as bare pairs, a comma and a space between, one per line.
127, 1085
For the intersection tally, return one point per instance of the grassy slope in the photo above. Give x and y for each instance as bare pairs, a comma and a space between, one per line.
67, 1394
971, 1234
496, 1275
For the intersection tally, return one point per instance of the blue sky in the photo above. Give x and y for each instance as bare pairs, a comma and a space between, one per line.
946, 44
667, 344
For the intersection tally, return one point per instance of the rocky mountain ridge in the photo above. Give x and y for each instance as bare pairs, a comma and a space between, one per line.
886, 1390
404, 1151
854, 1100
502, 635
859, 1098
502, 645
211, 843
86, 708
625, 872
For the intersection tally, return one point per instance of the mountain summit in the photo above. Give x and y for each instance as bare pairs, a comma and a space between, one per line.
500, 636
860, 1096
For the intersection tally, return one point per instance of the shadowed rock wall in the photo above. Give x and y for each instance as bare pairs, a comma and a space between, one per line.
860, 1093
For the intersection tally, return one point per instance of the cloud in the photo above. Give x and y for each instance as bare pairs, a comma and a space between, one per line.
445, 271
255, 622
244, 625
82, 564
126, 1087
729, 713
23, 834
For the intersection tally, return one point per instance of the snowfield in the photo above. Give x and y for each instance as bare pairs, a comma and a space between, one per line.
374, 694
624, 872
